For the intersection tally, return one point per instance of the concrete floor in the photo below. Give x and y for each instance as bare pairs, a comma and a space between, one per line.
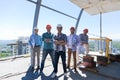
19, 69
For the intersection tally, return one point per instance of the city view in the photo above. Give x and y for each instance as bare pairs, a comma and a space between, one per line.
60, 40
20, 46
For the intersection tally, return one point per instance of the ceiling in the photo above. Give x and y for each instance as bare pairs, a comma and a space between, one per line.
94, 7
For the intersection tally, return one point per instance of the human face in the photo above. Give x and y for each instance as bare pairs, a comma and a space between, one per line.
48, 29
36, 31
72, 31
59, 29
85, 32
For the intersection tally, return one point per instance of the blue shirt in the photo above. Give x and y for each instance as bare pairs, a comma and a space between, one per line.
83, 38
35, 40
47, 45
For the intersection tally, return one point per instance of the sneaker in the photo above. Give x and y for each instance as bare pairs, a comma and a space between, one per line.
75, 70
41, 72
65, 74
68, 67
37, 68
32, 68
53, 75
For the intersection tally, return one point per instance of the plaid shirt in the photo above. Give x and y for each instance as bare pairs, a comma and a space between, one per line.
60, 37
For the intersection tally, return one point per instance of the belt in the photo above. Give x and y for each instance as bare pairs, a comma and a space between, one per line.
37, 45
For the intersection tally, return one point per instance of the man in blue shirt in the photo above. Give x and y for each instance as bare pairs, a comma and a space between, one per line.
47, 38
35, 42
84, 40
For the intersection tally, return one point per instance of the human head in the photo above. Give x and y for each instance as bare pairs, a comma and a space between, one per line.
85, 31
36, 30
59, 28
48, 27
72, 30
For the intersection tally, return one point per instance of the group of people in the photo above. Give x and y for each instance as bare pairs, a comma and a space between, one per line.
55, 46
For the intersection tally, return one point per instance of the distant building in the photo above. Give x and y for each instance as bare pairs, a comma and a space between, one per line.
20, 46
3, 50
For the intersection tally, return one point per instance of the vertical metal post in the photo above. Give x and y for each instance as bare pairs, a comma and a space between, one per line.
77, 23
101, 31
76, 26
36, 14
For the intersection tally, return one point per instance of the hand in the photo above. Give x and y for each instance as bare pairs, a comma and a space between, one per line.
32, 47
73, 45
61, 41
56, 42
81, 44
47, 40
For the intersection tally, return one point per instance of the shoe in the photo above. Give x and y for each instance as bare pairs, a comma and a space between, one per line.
53, 75
32, 68
68, 67
65, 74
41, 72
75, 70
37, 68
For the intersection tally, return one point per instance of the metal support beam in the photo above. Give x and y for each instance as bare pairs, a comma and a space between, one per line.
36, 14
38, 4
101, 31
58, 11
77, 23
37, 10
32, 1
53, 10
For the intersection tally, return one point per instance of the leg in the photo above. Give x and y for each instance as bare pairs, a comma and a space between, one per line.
33, 57
52, 55
69, 58
56, 61
38, 57
74, 57
44, 55
63, 56
86, 46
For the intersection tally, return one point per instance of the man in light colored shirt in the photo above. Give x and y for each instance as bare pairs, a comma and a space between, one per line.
35, 42
84, 40
72, 42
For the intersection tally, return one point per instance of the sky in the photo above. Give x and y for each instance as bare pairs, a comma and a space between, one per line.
16, 19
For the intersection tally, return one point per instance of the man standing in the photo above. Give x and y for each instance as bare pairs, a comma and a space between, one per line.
72, 42
84, 40
60, 50
47, 38
35, 42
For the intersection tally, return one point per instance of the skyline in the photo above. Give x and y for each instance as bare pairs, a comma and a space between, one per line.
16, 19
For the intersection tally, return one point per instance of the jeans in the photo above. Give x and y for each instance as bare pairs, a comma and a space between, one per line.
44, 55
63, 57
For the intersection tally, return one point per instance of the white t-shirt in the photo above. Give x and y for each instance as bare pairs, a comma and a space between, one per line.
70, 41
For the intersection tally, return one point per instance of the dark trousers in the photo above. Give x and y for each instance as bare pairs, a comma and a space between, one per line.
44, 55
63, 57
